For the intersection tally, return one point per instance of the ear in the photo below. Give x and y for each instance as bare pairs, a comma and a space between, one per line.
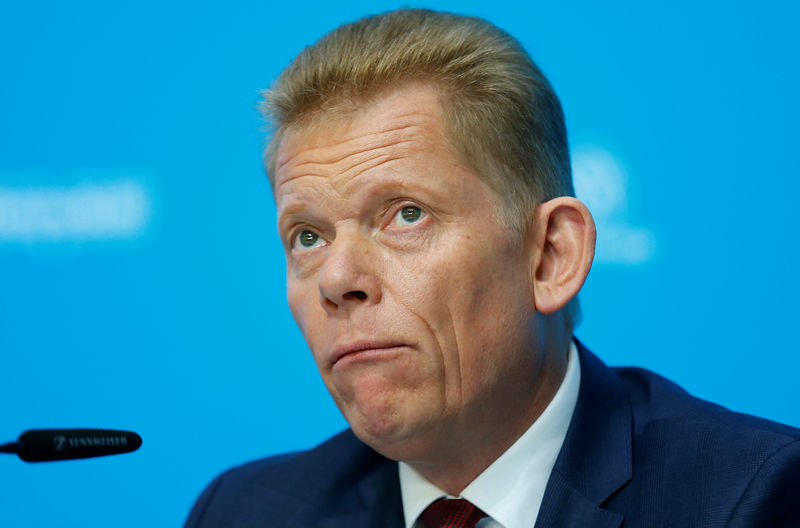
564, 235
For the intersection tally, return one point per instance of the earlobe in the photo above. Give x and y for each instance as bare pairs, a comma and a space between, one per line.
564, 237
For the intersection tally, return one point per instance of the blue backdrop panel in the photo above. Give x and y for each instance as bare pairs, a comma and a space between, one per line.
142, 282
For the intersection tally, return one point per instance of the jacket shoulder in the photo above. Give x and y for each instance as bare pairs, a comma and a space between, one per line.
704, 463
290, 489
657, 401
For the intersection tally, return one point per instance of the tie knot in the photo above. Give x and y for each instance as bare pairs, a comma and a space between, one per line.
451, 513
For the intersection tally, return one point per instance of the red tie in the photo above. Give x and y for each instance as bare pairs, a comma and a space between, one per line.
451, 513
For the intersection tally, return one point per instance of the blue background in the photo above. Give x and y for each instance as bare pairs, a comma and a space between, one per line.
171, 321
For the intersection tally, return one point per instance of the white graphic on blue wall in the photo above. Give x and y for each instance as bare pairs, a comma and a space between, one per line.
92, 211
599, 181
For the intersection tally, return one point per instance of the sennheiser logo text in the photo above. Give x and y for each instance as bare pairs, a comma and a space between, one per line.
96, 441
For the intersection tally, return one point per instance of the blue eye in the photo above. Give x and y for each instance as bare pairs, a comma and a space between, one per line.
407, 215
307, 239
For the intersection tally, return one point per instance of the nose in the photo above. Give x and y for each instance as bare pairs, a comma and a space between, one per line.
350, 274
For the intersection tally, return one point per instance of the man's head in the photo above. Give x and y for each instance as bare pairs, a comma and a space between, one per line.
427, 267
501, 114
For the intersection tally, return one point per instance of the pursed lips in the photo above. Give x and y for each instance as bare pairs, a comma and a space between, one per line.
361, 347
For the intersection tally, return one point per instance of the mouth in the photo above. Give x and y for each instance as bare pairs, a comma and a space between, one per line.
363, 350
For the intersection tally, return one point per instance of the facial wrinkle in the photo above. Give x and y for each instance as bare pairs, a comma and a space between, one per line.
349, 178
458, 348
292, 177
349, 154
439, 347
395, 134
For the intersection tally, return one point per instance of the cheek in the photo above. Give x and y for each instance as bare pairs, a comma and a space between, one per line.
450, 283
441, 292
303, 304
474, 301
295, 297
310, 319
495, 302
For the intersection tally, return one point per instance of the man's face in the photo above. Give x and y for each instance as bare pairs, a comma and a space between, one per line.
413, 295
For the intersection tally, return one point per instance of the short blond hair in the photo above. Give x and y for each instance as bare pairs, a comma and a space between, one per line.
502, 116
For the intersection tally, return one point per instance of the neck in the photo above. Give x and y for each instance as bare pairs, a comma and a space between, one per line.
488, 434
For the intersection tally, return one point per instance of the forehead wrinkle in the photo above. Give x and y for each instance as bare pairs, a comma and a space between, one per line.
349, 176
316, 154
319, 130
360, 155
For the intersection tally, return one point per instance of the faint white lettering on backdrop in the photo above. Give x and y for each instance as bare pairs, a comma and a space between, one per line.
599, 181
91, 211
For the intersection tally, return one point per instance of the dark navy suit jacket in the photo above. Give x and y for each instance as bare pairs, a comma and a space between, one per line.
639, 452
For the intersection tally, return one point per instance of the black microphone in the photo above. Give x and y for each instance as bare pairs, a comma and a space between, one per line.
44, 445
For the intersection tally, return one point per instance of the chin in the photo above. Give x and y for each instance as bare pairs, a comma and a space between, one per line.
387, 413
377, 429
392, 436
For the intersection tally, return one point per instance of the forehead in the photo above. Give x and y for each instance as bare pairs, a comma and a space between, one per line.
396, 147
399, 121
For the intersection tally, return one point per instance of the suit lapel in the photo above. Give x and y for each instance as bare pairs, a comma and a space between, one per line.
380, 500
596, 458
565, 506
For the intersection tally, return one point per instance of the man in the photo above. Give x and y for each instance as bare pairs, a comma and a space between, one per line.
434, 253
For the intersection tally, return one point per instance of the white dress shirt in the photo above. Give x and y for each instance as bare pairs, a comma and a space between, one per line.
511, 489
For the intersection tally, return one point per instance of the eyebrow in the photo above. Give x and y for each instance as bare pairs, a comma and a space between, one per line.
288, 213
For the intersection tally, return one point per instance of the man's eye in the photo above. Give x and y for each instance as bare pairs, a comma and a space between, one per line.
307, 239
407, 215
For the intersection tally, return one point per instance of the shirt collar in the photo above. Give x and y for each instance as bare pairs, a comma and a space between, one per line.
511, 489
